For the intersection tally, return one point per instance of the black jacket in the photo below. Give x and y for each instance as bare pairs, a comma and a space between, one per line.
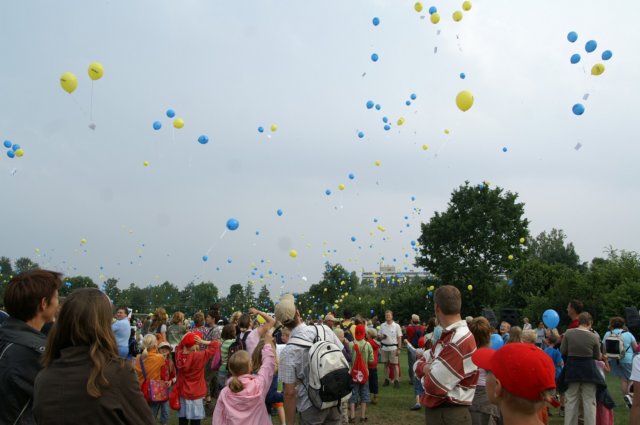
21, 347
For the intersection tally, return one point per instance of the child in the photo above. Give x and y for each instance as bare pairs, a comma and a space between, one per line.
604, 415
360, 391
228, 337
372, 334
191, 385
274, 398
242, 401
167, 373
346, 351
416, 353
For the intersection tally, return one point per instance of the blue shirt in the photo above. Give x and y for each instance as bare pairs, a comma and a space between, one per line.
627, 338
122, 331
556, 357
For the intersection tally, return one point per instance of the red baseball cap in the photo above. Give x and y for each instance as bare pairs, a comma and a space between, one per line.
189, 340
360, 332
523, 369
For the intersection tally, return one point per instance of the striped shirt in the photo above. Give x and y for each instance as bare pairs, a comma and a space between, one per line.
452, 375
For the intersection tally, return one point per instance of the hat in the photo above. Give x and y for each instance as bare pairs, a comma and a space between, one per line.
189, 340
164, 344
360, 332
285, 310
415, 318
523, 369
329, 318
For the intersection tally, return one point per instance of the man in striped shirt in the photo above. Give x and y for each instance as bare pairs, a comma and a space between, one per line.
447, 372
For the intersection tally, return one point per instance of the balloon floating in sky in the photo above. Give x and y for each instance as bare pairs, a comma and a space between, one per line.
279, 212
378, 106
203, 140
575, 58
205, 258
578, 109
378, 163
400, 121
370, 104
606, 55
591, 46
233, 224
418, 7
462, 76
351, 176
171, 113
376, 21
293, 253
457, 16
464, 100
408, 103
522, 240
597, 69
496, 341
260, 129
157, 125
432, 10
145, 163
11, 154
178, 123
413, 96
387, 127
360, 134
572, 36
435, 18
7, 143
96, 71
83, 241
353, 238
504, 149
466, 6
327, 192
274, 128
341, 186
374, 57
69, 82
510, 257
425, 147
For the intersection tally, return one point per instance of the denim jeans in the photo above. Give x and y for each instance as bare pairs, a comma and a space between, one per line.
163, 407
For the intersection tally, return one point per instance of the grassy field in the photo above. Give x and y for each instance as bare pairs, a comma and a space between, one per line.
394, 404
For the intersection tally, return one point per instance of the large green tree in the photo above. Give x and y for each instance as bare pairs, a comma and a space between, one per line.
551, 248
25, 264
70, 284
264, 301
474, 242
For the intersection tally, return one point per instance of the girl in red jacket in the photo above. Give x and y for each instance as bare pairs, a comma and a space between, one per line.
191, 385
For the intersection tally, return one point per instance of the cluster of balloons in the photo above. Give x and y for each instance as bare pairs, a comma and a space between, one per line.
13, 149
274, 128
178, 122
435, 16
412, 97
69, 81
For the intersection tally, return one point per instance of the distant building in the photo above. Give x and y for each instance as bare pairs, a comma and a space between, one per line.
390, 273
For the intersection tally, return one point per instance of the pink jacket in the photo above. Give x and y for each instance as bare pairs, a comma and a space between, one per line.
247, 407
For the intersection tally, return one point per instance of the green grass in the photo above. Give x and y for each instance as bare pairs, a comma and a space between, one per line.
393, 406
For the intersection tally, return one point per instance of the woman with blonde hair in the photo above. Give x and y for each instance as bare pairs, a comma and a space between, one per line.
176, 329
84, 380
153, 362
515, 335
159, 324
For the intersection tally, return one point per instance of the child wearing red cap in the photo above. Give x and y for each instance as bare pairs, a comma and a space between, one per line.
191, 385
362, 355
520, 378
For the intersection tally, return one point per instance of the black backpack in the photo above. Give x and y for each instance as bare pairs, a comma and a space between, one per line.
133, 347
417, 335
237, 345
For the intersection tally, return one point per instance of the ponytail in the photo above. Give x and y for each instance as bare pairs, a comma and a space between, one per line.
235, 385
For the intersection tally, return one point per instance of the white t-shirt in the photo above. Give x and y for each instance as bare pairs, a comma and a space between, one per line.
635, 370
393, 331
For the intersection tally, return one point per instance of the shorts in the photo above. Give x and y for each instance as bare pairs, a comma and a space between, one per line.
389, 357
360, 393
619, 369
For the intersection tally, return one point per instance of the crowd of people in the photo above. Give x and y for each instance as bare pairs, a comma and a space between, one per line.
80, 362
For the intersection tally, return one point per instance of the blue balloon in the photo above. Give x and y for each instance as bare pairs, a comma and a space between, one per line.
327, 192
463, 76
351, 176
387, 127
510, 282
378, 106
157, 125
432, 10
578, 109
203, 139
385, 120
7, 143
572, 36
550, 318
408, 103
591, 46
233, 224
413, 198
11, 154
15, 147
413, 243
496, 341
360, 134
413, 96
606, 55
353, 238
229, 260
374, 57
370, 104
205, 258
257, 232
279, 212
376, 21
260, 129
171, 113
575, 58
504, 149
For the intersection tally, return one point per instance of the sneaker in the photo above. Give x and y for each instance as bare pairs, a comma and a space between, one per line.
396, 384
628, 400
386, 383
416, 407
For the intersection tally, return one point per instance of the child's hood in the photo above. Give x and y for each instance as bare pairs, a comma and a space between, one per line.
252, 391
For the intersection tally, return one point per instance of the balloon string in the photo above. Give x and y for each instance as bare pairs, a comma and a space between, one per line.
223, 233
76, 102
91, 104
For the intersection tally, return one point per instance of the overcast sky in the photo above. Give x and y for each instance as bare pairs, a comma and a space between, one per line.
227, 68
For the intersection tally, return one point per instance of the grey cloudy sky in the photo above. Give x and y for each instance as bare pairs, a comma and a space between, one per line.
228, 67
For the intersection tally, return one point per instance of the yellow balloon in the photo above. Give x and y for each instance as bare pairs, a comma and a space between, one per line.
425, 147
464, 100
522, 240
382, 229
69, 82
293, 253
597, 69
446, 131
430, 288
435, 18
83, 241
274, 128
378, 163
418, 7
470, 287
325, 289
382, 302
260, 319
457, 16
178, 123
510, 257
341, 186
19, 153
96, 71
146, 163
400, 120
466, 6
